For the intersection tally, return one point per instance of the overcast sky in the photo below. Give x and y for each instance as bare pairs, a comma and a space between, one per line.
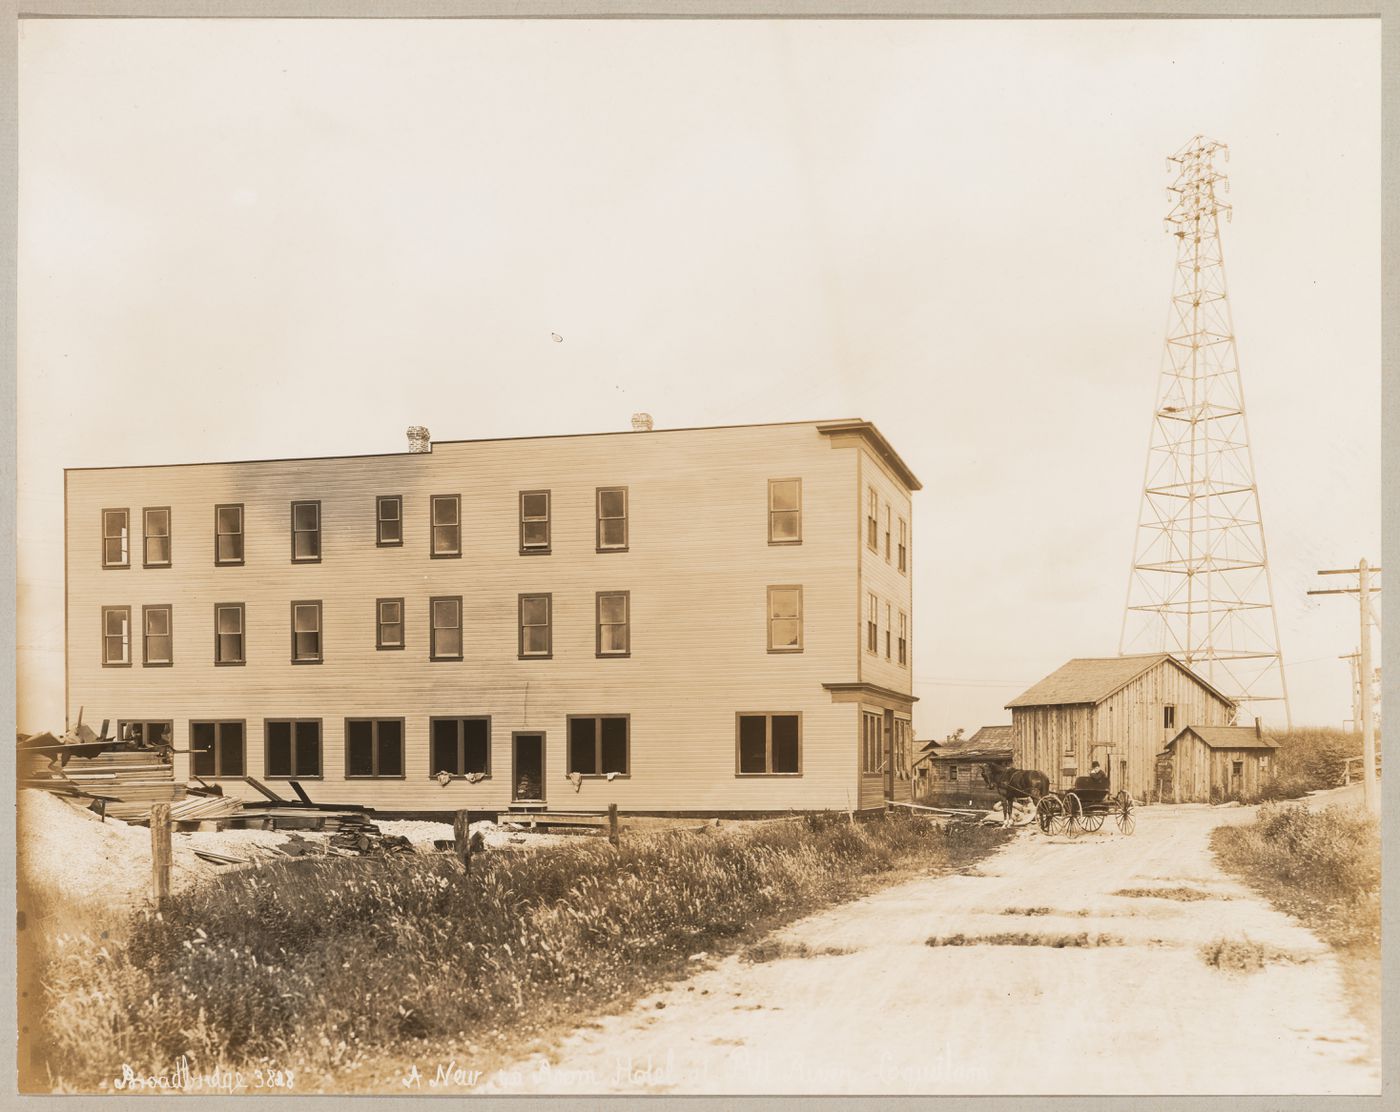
245, 239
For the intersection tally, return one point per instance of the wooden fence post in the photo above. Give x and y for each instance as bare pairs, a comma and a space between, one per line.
612, 823
461, 831
160, 852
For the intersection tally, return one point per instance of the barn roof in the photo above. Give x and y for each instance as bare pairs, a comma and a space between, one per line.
973, 749
1228, 737
1093, 679
992, 735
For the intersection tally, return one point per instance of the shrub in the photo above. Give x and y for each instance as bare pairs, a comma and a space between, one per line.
1313, 757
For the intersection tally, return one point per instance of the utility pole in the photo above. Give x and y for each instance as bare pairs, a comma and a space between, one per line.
1363, 571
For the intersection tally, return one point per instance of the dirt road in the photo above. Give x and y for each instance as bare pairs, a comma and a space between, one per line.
864, 1004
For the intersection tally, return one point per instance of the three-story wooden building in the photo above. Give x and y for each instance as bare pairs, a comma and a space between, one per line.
709, 620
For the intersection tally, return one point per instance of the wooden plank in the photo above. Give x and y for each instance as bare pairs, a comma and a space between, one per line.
301, 792
160, 852
259, 786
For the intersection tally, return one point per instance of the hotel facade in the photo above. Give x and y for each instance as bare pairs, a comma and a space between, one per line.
708, 621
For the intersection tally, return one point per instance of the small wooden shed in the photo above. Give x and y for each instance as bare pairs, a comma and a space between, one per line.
955, 768
1210, 764
1117, 710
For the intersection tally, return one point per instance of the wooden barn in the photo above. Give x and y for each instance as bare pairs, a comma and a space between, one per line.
955, 768
1210, 764
1120, 711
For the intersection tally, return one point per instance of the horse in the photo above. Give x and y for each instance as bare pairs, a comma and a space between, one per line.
1015, 783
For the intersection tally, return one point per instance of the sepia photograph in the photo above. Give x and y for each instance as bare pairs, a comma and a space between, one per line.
578, 557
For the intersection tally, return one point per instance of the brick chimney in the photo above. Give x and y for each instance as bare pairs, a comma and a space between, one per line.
419, 439
641, 422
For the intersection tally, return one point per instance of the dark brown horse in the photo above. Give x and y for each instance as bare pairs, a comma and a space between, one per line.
1015, 783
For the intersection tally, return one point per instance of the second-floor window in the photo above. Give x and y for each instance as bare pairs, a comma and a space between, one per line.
614, 623
534, 522
388, 520
228, 633
306, 532
156, 638
388, 623
903, 545
228, 534
612, 519
785, 619
889, 625
156, 536
445, 615
1168, 717
536, 639
115, 527
903, 637
784, 511
116, 636
872, 624
872, 519
306, 632
887, 533
447, 525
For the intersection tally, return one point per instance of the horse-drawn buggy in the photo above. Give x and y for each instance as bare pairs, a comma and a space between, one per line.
1085, 807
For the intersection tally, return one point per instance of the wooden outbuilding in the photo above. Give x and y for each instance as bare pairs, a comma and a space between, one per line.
1120, 711
1210, 764
955, 768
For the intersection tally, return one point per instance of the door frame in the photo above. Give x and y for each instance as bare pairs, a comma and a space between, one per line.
514, 771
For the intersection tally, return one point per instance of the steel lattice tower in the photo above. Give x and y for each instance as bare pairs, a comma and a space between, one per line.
1200, 586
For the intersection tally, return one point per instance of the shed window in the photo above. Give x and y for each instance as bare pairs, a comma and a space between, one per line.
115, 525
374, 748
1237, 767
1169, 717
306, 532
447, 525
228, 534
534, 522
770, 744
216, 749
446, 628
612, 519
306, 632
116, 635
599, 744
952, 772
784, 619
461, 746
784, 511
292, 748
156, 534
388, 520
156, 642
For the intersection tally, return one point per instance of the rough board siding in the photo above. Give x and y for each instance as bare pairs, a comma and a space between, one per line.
1198, 771
697, 569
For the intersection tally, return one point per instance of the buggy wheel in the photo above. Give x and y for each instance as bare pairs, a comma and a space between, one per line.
1126, 823
1050, 814
1074, 813
1091, 820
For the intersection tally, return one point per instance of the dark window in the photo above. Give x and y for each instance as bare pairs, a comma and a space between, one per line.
1237, 767
293, 748
887, 532
903, 545
536, 634
388, 520
614, 623
116, 552
784, 511
156, 534
156, 637
952, 772
116, 636
447, 525
1169, 717
872, 624
784, 619
306, 532
534, 521
216, 748
306, 632
872, 743
445, 618
612, 519
769, 744
374, 747
889, 623
147, 734
228, 633
388, 623
228, 534
903, 637
598, 744
461, 746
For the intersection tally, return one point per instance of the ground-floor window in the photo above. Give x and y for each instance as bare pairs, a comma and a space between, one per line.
599, 744
872, 730
293, 748
146, 734
374, 748
217, 749
769, 744
461, 746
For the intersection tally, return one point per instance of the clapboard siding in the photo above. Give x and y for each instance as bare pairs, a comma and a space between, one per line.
1125, 731
697, 569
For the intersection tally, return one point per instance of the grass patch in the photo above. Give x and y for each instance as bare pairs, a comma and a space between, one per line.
1081, 940
1186, 895
1081, 913
333, 964
778, 949
1243, 955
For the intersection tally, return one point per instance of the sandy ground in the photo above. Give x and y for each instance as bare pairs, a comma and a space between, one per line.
877, 1010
